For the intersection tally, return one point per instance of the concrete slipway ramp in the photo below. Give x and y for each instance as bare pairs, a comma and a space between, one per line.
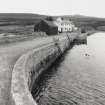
21, 63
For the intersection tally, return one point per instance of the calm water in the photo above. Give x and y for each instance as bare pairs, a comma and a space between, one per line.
79, 79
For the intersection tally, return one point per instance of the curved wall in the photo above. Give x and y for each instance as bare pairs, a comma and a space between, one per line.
31, 65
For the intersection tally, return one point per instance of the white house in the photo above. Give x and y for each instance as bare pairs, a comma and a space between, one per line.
64, 25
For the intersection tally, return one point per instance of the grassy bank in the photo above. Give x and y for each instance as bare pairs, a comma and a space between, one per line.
11, 38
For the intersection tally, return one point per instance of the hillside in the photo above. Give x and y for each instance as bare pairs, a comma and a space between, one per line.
19, 18
23, 23
18, 23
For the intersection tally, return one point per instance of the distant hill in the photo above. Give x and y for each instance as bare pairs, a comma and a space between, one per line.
19, 18
24, 22
20, 15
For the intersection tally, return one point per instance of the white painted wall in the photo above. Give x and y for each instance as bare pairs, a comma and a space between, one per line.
63, 26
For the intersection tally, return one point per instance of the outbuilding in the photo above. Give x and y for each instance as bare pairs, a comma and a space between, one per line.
46, 26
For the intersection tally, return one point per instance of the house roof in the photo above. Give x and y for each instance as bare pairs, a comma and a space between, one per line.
67, 21
49, 23
59, 19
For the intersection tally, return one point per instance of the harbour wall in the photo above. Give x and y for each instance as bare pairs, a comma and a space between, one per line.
32, 64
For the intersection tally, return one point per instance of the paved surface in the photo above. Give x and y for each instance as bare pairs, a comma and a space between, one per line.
8, 57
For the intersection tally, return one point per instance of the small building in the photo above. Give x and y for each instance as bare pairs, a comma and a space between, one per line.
65, 25
46, 26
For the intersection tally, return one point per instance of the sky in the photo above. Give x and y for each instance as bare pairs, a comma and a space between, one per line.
54, 7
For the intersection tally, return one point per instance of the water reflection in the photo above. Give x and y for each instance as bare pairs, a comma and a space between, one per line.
79, 79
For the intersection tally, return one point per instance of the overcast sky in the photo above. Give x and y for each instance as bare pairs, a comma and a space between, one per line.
54, 7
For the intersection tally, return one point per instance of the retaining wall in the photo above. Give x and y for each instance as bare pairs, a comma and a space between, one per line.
31, 65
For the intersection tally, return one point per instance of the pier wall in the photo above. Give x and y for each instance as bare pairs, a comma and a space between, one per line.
30, 65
